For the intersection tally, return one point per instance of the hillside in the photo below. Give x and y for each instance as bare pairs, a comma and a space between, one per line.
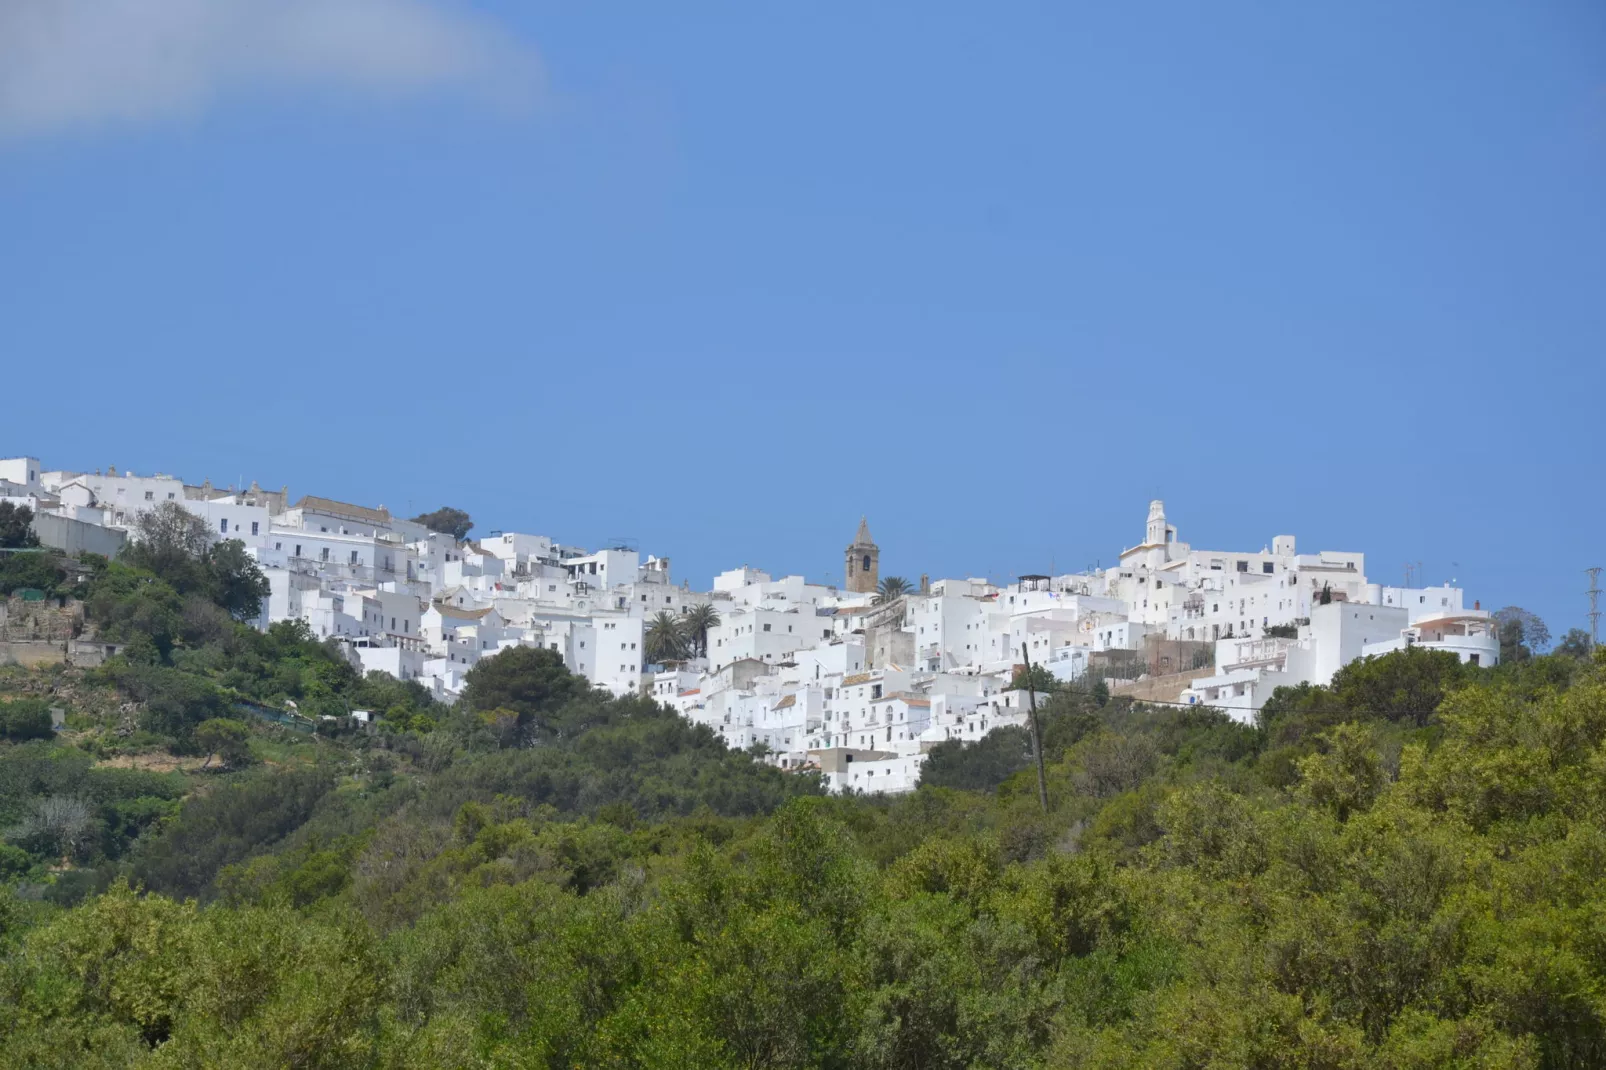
1405, 869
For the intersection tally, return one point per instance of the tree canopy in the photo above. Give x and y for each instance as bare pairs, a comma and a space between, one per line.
699, 620
175, 545
447, 521
1403, 869
16, 527
891, 587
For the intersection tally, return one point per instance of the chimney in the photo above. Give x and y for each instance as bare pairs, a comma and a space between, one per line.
1477, 603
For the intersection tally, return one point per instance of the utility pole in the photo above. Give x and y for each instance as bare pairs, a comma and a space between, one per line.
1037, 733
1594, 606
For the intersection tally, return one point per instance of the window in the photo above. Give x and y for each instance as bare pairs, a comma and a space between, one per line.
766, 627
1243, 566
354, 557
298, 549
150, 495
867, 562
254, 526
223, 525
169, 495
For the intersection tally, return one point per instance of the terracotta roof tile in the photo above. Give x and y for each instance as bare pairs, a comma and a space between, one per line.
334, 508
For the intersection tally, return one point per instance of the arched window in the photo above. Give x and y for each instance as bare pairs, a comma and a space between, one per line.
867, 562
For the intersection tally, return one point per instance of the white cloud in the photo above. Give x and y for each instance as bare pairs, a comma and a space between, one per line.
68, 64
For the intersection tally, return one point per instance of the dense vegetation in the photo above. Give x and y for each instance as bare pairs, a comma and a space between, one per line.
1405, 869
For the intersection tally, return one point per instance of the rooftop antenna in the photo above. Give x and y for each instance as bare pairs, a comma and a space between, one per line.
1594, 606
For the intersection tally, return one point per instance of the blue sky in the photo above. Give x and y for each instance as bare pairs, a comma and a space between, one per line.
723, 278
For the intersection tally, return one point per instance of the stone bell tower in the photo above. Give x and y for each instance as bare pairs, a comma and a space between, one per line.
863, 568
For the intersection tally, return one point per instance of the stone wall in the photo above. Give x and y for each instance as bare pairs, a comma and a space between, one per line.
1167, 688
23, 621
32, 654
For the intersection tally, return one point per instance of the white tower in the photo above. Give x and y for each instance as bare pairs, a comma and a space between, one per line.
1156, 532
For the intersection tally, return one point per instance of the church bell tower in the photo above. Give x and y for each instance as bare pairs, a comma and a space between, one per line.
863, 569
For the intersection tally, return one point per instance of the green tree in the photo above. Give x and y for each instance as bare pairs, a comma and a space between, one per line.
1109, 763
237, 584
25, 718
16, 527
236, 820
175, 545
666, 637
1575, 644
1039, 679
171, 542
892, 587
1347, 775
699, 620
1522, 634
128, 604
979, 766
532, 682
1405, 685
39, 569
447, 521
225, 739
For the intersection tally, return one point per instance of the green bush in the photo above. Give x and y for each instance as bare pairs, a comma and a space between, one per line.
25, 718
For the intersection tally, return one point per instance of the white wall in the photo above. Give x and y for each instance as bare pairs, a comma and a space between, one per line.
24, 471
227, 518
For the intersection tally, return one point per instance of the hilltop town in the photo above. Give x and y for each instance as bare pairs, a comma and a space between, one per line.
859, 682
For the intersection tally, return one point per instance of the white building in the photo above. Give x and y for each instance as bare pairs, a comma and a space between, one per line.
1249, 670
23, 471
122, 497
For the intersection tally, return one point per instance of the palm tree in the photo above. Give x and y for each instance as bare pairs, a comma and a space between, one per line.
665, 641
892, 587
697, 621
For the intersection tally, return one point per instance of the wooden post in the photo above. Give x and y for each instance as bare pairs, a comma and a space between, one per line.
1037, 734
